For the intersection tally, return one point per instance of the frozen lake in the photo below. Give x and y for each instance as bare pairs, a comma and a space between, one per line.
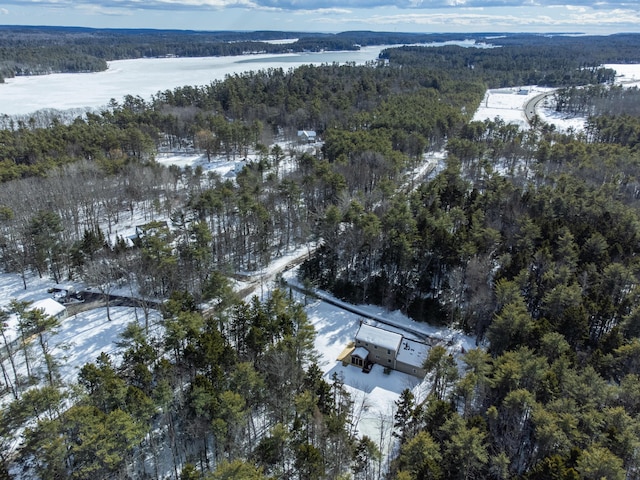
146, 77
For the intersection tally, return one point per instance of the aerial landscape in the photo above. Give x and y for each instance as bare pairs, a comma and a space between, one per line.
356, 241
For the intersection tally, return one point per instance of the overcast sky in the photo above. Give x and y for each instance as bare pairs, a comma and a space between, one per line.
587, 16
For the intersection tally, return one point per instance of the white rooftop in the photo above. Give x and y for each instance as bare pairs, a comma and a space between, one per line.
412, 353
49, 305
360, 352
377, 336
307, 133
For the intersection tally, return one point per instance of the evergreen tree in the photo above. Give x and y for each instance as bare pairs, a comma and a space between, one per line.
404, 417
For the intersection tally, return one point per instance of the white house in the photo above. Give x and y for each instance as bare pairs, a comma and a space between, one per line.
50, 307
389, 349
307, 136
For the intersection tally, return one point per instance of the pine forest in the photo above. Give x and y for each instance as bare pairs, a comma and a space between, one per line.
527, 240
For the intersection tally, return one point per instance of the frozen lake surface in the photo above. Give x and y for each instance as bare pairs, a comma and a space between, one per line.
146, 77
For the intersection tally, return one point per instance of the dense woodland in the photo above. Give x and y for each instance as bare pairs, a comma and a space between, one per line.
526, 239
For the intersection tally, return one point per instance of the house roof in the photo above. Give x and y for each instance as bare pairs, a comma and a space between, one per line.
378, 336
49, 305
360, 352
412, 353
306, 133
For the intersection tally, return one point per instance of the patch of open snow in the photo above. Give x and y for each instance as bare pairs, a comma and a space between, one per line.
281, 41
508, 103
218, 164
83, 337
562, 122
626, 74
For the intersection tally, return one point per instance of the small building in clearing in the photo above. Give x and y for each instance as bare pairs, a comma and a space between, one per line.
307, 136
50, 307
389, 349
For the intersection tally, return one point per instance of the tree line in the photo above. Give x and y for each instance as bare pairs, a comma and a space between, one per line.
527, 62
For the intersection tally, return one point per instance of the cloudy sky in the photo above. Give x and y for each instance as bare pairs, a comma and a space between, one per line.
587, 16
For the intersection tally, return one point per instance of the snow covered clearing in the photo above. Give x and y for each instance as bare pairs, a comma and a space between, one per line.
626, 74
508, 103
79, 339
84, 336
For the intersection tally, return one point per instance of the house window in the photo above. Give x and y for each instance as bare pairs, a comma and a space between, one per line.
377, 356
414, 370
389, 352
375, 346
389, 360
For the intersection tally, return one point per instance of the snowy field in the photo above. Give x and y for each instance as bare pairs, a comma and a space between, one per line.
83, 337
80, 338
626, 74
508, 103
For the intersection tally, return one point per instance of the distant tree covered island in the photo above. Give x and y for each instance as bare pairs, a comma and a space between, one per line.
526, 239
528, 59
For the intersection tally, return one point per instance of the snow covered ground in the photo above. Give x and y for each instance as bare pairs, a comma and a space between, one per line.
509, 103
79, 339
83, 337
626, 74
